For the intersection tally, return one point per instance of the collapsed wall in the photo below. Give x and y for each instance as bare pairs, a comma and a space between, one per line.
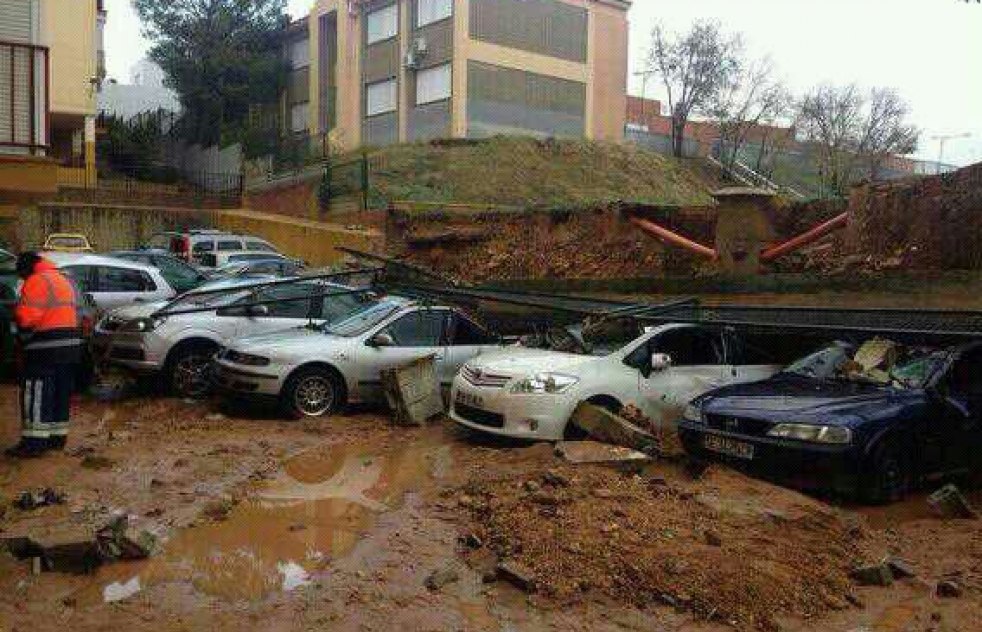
931, 223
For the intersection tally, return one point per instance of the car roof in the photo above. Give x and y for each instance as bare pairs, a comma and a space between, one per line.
62, 259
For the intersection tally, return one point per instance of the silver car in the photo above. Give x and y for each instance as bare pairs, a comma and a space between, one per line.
315, 372
180, 346
112, 282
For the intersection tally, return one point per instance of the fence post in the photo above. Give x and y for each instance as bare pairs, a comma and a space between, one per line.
364, 182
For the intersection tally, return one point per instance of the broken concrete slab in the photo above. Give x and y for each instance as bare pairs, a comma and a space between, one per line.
595, 453
605, 426
413, 392
949, 502
517, 574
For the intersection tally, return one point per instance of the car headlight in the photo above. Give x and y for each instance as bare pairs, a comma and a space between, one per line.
246, 359
142, 325
693, 413
812, 433
551, 383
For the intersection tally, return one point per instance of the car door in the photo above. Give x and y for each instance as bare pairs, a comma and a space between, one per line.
416, 334
293, 310
697, 365
119, 287
466, 340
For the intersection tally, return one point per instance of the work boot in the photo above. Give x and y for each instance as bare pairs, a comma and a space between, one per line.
57, 443
28, 449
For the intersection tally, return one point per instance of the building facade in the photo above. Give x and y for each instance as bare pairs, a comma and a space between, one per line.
384, 71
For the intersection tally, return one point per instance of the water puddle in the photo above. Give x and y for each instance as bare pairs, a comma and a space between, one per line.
289, 528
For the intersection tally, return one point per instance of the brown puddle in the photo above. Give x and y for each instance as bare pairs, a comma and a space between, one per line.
289, 528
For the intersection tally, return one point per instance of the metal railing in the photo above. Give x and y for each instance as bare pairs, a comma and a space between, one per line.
25, 113
154, 183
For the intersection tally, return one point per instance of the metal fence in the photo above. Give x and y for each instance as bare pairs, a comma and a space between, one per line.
150, 184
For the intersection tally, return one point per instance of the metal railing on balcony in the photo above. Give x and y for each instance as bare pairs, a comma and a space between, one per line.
25, 120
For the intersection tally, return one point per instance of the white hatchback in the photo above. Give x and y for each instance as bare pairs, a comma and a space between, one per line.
531, 393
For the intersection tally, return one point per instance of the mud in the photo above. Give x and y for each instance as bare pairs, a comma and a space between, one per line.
336, 524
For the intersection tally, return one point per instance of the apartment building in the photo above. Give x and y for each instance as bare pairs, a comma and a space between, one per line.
376, 72
50, 63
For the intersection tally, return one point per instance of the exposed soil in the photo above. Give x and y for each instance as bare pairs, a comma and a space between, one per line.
337, 524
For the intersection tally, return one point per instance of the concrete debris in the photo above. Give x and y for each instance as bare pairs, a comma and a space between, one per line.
594, 453
30, 500
556, 479
73, 552
517, 574
440, 578
901, 569
605, 426
873, 575
948, 502
413, 392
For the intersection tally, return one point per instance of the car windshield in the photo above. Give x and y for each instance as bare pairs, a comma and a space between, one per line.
875, 362
66, 242
364, 320
599, 338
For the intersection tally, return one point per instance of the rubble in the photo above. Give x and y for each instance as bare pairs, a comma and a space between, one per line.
948, 502
605, 426
31, 500
440, 578
901, 569
873, 575
413, 392
594, 453
517, 574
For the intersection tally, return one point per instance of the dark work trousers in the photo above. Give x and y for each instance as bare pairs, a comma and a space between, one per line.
46, 394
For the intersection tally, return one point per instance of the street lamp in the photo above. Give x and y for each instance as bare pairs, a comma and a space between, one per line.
942, 140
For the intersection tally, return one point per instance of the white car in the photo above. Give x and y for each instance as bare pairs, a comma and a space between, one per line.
180, 346
316, 372
112, 282
532, 393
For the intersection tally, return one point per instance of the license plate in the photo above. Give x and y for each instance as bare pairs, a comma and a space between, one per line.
723, 445
467, 399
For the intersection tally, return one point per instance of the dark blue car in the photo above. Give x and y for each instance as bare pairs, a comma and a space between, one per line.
822, 427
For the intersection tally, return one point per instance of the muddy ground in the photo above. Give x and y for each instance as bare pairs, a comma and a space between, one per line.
338, 524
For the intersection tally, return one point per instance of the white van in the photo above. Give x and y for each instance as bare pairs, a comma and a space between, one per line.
208, 248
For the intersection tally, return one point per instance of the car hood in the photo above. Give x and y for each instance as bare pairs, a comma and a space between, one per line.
291, 341
522, 361
140, 310
788, 396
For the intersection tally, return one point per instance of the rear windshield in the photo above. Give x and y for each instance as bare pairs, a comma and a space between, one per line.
364, 320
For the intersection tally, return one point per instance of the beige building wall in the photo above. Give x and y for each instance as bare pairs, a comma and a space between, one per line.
68, 28
607, 85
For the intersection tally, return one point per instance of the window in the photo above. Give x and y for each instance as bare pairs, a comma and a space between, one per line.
380, 98
422, 328
109, 279
259, 246
383, 24
690, 347
297, 309
204, 246
81, 275
466, 333
298, 117
433, 84
226, 246
300, 54
179, 271
430, 11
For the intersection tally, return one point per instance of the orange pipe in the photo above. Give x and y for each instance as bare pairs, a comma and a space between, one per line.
673, 239
805, 238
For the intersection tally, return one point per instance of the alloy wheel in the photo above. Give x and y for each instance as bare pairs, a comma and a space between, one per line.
315, 395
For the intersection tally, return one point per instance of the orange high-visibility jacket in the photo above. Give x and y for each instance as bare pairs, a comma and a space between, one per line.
49, 309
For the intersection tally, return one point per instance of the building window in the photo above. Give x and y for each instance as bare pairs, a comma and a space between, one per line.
298, 118
430, 11
383, 23
433, 84
300, 54
381, 98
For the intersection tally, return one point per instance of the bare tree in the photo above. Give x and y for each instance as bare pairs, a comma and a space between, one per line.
747, 108
850, 128
694, 67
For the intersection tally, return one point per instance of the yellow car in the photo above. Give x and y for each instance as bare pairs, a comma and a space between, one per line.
67, 242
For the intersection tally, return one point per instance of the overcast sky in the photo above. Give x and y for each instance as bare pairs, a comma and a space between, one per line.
929, 50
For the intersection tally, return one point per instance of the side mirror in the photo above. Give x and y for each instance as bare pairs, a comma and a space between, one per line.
660, 362
381, 339
258, 311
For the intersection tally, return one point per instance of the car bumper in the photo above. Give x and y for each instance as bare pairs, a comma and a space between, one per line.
497, 411
128, 351
802, 465
258, 381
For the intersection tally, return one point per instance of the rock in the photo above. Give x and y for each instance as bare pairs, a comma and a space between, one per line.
873, 575
472, 541
949, 589
556, 479
489, 577
712, 538
97, 463
948, 502
117, 540
30, 500
517, 574
443, 577
607, 427
531, 486
900, 568
594, 453
543, 498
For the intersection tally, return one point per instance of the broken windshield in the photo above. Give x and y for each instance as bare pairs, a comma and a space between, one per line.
364, 320
877, 361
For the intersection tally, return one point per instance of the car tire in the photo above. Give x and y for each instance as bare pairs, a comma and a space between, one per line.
887, 477
189, 370
311, 393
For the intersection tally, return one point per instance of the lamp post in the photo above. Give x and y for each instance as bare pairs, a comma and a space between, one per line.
942, 140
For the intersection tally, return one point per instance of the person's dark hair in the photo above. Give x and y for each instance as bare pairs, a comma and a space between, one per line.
26, 262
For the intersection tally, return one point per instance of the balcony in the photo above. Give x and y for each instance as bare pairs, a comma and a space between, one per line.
25, 120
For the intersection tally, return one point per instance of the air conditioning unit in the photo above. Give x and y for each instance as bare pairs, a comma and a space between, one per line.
420, 47
411, 62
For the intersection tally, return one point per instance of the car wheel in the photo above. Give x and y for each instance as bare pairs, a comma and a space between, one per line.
888, 476
190, 371
314, 392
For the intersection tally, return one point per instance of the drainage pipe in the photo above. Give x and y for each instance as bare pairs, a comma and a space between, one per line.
805, 239
671, 238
